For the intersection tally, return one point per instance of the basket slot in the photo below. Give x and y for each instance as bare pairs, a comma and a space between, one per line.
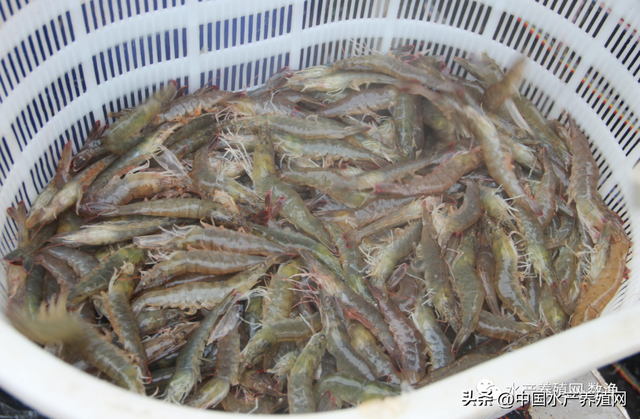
100, 13
20, 61
322, 12
468, 14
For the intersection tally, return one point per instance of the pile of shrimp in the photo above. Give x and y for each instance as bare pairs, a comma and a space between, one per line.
318, 242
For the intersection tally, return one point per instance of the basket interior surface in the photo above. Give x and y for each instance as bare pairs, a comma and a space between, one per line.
65, 64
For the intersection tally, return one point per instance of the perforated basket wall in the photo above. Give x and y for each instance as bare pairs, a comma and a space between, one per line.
64, 64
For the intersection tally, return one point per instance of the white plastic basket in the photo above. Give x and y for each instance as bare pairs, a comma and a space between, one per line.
65, 64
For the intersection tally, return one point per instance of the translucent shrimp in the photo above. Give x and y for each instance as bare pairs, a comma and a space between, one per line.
384, 261
196, 261
469, 288
438, 345
498, 327
98, 279
300, 387
135, 119
438, 181
466, 216
187, 371
190, 106
198, 294
347, 388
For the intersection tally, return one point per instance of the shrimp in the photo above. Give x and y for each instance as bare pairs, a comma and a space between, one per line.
395, 218
118, 307
437, 343
177, 207
194, 296
358, 217
406, 293
602, 291
497, 208
54, 324
294, 241
435, 269
354, 306
300, 390
98, 279
546, 191
438, 181
486, 269
347, 358
150, 322
294, 147
196, 261
403, 119
93, 147
68, 195
336, 83
113, 231
583, 189
392, 172
351, 389
507, 283
212, 238
186, 107
383, 263
68, 221
187, 371
362, 102
227, 373
26, 253
33, 291
65, 276
116, 136
363, 341
388, 65
469, 288
497, 327
504, 89
568, 289
537, 252
410, 342
59, 180
351, 260
551, 310
142, 151
82, 263
136, 186
167, 342
279, 331
324, 180
466, 216
277, 305
304, 128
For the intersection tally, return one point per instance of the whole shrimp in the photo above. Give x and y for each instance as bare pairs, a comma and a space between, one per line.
602, 291
98, 279
363, 341
351, 389
469, 288
175, 207
362, 102
409, 340
190, 106
498, 327
507, 281
355, 307
583, 189
382, 264
115, 138
339, 344
438, 181
196, 261
194, 296
187, 371
436, 272
437, 343
300, 387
